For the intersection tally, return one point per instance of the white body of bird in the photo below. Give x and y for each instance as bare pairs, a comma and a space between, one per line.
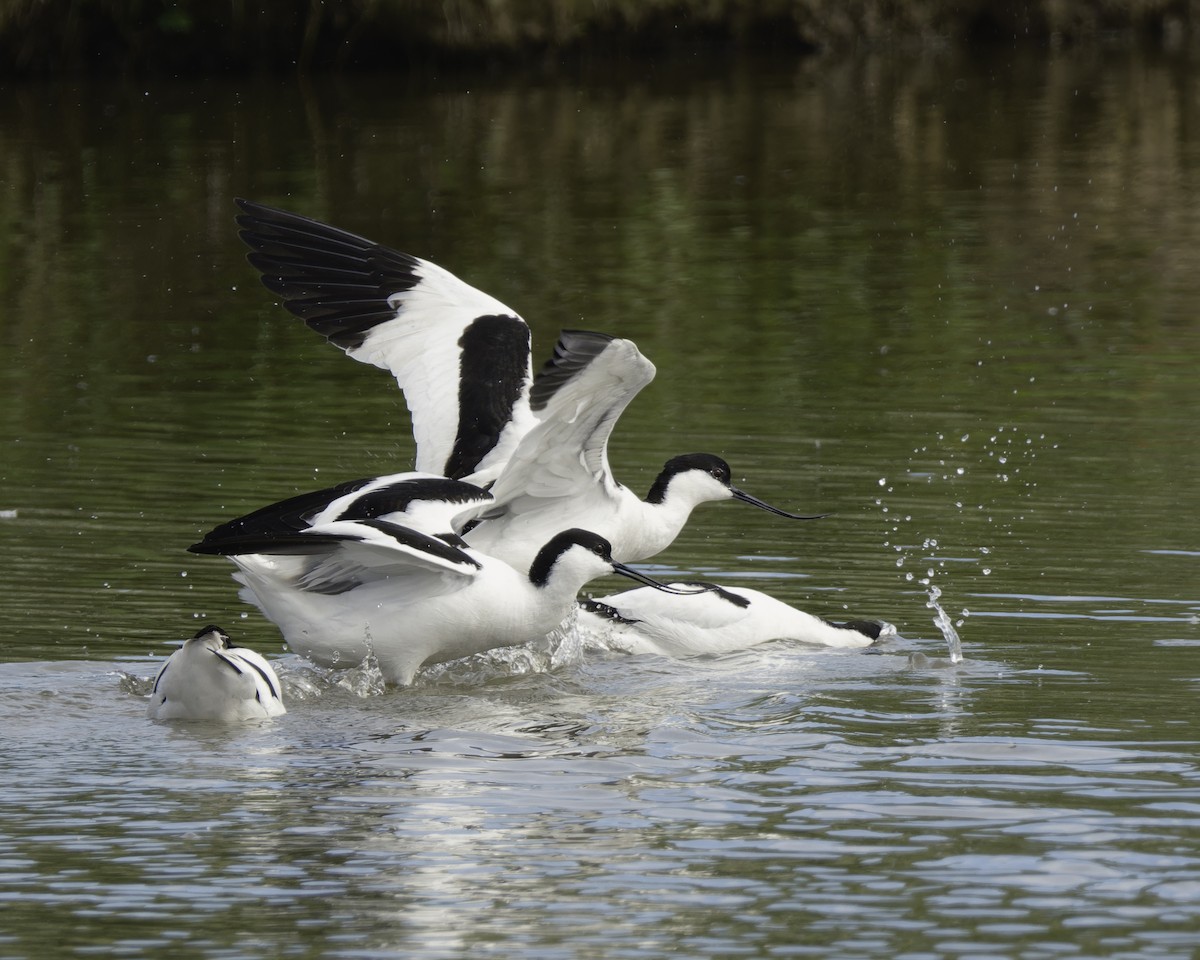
719, 620
528, 504
346, 590
209, 678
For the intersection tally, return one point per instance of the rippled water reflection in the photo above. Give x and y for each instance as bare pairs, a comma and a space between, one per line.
771, 801
951, 302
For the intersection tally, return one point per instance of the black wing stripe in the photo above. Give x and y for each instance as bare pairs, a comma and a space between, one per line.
267, 679
278, 522
273, 544
228, 662
283, 517
161, 673
493, 365
419, 541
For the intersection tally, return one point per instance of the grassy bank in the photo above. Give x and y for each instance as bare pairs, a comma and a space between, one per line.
47, 37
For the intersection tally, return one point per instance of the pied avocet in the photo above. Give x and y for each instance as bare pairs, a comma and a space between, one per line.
348, 589
717, 619
209, 678
462, 360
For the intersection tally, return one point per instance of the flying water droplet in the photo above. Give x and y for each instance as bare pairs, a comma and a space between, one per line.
942, 621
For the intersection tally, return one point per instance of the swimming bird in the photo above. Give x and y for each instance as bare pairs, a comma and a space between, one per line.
719, 619
462, 360
209, 678
348, 589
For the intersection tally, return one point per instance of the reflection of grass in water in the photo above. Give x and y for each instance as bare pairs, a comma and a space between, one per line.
52, 35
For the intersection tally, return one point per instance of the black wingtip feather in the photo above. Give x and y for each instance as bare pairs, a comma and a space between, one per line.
573, 351
337, 282
281, 522
283, 544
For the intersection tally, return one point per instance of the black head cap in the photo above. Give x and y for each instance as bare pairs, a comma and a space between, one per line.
213, 628
708, 463
560, 543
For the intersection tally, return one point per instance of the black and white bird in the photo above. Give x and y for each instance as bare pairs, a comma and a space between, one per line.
717, 619
462, 360
559, 474
345, 590
209, 678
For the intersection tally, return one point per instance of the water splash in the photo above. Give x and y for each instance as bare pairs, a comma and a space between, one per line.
561, 647
942, 621
981, 475
363, 680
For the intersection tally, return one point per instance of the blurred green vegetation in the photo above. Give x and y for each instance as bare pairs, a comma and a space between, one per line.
176, 37
969, 217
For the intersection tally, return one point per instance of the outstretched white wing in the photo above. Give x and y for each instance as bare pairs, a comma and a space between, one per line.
461, 357
559, 476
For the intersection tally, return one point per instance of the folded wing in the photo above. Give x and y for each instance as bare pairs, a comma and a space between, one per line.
423, 502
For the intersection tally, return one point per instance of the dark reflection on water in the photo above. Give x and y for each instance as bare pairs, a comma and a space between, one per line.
950, 301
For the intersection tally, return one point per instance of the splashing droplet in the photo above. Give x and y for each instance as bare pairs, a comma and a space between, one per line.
941, 620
